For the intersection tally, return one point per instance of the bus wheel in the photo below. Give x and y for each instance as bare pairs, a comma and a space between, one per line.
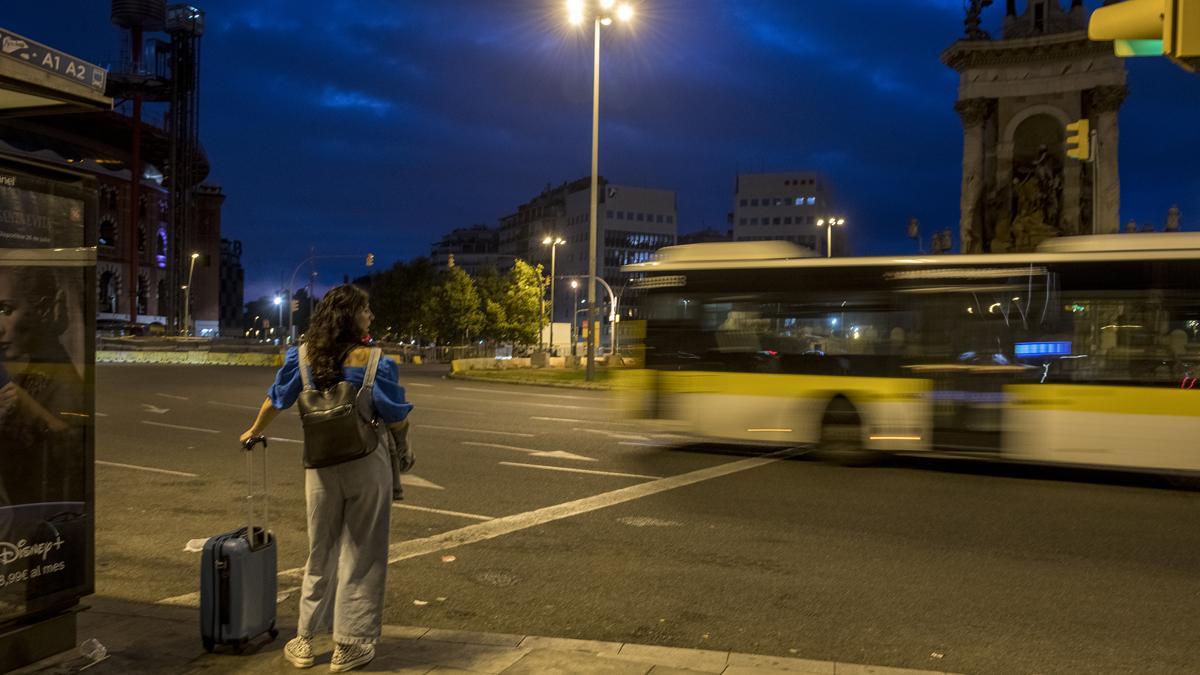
841, 435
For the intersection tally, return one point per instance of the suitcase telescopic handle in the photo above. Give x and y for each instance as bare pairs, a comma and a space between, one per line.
253, 441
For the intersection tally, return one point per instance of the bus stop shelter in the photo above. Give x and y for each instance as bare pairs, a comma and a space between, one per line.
47, 252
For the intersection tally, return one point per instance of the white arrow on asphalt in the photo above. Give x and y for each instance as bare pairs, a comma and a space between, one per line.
557, 454
146, 407
409, 480
560, 454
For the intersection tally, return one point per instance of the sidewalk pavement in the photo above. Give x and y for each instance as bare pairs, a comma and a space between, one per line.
143, 638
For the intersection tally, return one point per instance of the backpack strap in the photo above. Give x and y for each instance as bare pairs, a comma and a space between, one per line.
305, 373
372, 368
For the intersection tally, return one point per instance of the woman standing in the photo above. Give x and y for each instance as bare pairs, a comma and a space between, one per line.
348, 504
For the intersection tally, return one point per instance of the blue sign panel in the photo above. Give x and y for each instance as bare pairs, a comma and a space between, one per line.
1035, 349
40, 56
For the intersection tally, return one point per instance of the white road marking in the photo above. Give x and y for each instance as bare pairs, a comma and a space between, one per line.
147, 468
182, 428
239, 406
493, 401
445, 513
510, 392
613, 434
177, 398
647, 444
154, 410
473, 431
573, 470
557, 454
274, 439
562, 454
415, 384
499, 527
99, 414
413, 480
423, 408
558, 419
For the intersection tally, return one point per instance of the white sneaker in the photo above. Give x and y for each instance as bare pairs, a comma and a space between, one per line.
299, 652
349, 657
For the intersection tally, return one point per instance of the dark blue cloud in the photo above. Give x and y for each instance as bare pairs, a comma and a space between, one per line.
355, 125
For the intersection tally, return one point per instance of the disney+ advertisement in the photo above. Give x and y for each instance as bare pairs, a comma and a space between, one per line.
46, 319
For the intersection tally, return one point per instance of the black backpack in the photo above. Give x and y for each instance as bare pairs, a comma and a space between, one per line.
340, 423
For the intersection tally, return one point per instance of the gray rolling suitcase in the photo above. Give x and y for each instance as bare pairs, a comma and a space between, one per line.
238, 575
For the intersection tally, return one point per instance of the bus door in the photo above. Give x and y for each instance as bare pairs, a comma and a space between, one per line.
968, 356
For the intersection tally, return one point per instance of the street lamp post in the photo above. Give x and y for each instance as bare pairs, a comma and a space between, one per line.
370, 262
187, 298
279, 304
602, 15
829, 224
553, 243
574, 312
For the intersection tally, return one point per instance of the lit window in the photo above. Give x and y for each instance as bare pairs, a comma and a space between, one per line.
812, 200
799, 201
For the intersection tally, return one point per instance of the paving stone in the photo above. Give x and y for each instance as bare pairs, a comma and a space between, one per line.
473, 638
479, 658
571, 645
703, 660
780, 663
553, 662
404, 632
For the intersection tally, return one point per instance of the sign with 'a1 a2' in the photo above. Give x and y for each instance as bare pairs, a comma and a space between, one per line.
39, 55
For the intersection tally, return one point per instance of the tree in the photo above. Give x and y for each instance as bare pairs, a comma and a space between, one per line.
524, 314
397, 299
491, 286
451, 311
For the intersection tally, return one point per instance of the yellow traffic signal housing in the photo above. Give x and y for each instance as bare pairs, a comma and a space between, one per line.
1079, 145
1134, 25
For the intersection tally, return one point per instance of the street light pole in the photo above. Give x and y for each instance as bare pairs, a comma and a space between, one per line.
602, 15
187, 298
574, 312
553, 243
829, 224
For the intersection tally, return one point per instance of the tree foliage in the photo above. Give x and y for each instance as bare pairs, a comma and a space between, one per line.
451, 310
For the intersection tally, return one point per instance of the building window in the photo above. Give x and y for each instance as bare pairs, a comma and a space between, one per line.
753, 202
620, 216
787, 220
108, 232
641, 217
742, 222
812, 200
776, 221
670, 220
742, 203
659, 218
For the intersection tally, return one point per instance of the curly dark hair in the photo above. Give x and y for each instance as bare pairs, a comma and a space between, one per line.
334, 332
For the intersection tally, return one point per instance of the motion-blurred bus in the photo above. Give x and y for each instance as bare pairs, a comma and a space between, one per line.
1085, 352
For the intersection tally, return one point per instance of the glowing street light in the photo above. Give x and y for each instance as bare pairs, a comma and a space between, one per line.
829, 224
601, 12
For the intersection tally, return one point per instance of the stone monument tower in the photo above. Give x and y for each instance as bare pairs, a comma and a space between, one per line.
1015, 97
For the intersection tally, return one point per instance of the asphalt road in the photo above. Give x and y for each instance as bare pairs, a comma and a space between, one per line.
536, 511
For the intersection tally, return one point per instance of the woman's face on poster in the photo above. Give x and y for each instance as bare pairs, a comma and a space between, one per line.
18, 321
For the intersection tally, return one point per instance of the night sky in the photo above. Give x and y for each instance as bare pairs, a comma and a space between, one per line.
357, 125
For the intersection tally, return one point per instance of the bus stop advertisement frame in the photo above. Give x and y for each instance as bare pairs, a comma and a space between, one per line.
47, 442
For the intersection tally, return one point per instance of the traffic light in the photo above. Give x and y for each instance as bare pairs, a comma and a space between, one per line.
1151, 28
370, 259
1079, 146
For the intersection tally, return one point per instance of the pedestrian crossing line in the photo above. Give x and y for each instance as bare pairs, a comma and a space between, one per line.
415, 384
426, 509
574, 470
559, 419
275, 439
170, 396
180, 427
148, 468
474, 431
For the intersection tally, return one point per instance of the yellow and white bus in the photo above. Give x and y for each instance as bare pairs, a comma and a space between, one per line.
1085, 352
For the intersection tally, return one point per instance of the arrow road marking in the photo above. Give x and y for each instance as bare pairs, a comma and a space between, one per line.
411, 480
181, 428
613, 434
146, 407
573, 470
557, 454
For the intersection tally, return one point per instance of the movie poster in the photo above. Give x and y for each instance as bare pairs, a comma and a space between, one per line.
45, 404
